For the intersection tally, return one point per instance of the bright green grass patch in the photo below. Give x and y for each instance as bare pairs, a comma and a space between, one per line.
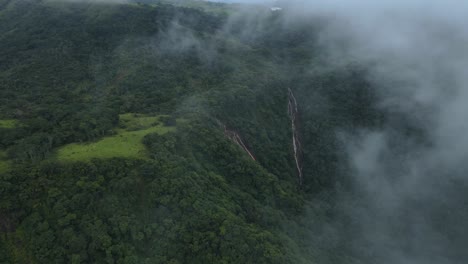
8, 123
126, 144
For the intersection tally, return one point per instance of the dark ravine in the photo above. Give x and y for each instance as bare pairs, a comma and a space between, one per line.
293, 115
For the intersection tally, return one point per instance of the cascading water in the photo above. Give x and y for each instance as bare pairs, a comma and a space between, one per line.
293, 115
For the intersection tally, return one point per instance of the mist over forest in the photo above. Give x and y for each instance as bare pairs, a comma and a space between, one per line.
184, 131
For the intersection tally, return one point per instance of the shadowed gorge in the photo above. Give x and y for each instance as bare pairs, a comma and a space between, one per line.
185, 131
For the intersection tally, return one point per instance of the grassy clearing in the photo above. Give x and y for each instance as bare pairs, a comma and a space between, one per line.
127, 143
8, 123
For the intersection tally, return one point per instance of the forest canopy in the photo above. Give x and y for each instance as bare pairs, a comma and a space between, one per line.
189, 132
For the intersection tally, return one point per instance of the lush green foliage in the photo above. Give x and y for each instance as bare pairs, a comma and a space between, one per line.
126, 143
192, 202
163, 184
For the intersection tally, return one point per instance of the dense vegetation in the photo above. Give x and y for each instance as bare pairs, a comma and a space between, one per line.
112, 145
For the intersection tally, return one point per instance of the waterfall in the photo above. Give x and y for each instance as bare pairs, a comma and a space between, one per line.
293, 115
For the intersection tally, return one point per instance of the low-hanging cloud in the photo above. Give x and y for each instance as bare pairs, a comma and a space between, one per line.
412, 205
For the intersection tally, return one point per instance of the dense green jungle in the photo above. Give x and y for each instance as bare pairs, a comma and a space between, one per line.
179, 132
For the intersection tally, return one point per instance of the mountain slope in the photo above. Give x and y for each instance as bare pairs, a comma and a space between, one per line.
71, 72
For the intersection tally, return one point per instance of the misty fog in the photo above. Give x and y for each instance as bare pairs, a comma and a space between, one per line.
412, 189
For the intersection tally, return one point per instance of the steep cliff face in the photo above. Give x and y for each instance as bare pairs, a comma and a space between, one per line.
293, 115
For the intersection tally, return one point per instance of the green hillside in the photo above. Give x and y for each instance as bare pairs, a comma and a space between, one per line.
127, 149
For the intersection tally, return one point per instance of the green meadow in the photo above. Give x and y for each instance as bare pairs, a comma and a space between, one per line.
127, 143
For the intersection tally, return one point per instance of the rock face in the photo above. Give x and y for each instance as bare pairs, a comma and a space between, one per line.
293, 115
234, 136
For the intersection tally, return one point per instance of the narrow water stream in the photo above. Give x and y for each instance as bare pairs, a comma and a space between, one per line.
293, 115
